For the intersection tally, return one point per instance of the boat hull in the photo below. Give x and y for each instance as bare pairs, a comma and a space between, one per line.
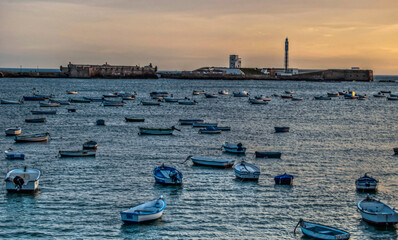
268, 154
135, 119
30, 187
38, 138
43, 112
77, 153
37, 120
13, 132
130, 218
220, 163
15, 156
146, 131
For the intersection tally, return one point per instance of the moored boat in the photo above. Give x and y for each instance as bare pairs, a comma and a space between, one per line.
287, 96
35, 120
246, 171
187, 102
366, 183
263, 97
297, 99
223, 92
204, 124
384, 91
257, 101
156, 131
79, 100
40, 137
198, 92
71, 92
128, 119
90, 145
281, 129
3, 101
333, 94
13, 131
224, 128
43, 104
71, 109
284, 179
319, 231
211, 162
145, 212
396, 151
377, 212
210, 130
190, 121
322, 98
22, 180
392, 98
268, 154
107, 103
146, 103
158, 95
61, 102
34, 98
241, 94
101, 122
167, 175
12, 154
234, 148
78, 153
289, 92
91, 99
209, 95
43, 112
379, 95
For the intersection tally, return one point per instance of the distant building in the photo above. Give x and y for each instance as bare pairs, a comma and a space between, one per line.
286, 55
234, 61
218, 70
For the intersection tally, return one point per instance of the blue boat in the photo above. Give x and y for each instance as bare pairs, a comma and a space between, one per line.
12, 154
282, 129
284, 179
319, 231
167, 175
190, 121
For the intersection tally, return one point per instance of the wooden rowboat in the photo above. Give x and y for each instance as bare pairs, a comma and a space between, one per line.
134, 119
145, 212
156, 131
319, 231
35, 120
211, 162
78, 153
40, 137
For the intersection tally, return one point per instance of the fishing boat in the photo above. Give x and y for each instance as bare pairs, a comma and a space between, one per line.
209, 95
22, 180
286, 96
333, 94
198, 92
366, 183
40, 137
79, 100
3, 101
145, 103
289, 92
90, 145
158, 95
91, 99
132, 97
284, 179
44, 112
210, 130
281, 129
171, 99
297, 99
246, 171
350, 96
187, 102
35, 120
78, 153
110, 95
234, 148
61, 102
393, 95
211, 162
112, 103
379, 95
190, 121
322, 98
268, 154
71, 92
223, 92
224, 128
392, 98
13, 131
134, 119
12, 154
101, 122
384, 91
167, 175
362, 97
377, 212
49, 104
257, 101
263, 97
343, 93
319, 231
241, 94
146, 212
203, 124
156, 131
34, 98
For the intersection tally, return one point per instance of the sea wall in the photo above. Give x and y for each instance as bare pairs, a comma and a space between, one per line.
12, 74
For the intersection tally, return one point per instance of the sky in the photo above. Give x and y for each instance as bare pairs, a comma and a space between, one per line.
189, 34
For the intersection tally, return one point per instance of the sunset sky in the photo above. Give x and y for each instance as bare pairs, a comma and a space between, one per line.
188, 34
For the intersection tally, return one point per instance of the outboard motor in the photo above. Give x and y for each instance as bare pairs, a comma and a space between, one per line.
18, 181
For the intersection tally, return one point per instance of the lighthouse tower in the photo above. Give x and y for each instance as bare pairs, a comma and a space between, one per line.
286, 55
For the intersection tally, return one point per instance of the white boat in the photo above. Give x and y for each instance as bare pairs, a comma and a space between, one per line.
211, 162
41, 137
241, 94
43, 104
113, 103
78, 153
22, 180
246, 171
366, 183
13, 131
234, 148
145, 212
3, 101
319, 231
12, 154
156, 131
187, 102
377, 212
257, 101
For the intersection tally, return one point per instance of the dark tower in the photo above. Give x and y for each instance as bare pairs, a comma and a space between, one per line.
286, 55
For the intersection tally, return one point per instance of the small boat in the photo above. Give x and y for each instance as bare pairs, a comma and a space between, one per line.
2, 101
362, 97
49, 104
286, 96
90, 145
134, 119
22, 180
150, 103
132, 97
234, 148
211, 162
392, 98
204, 124
43, 112
268, 154
281, 129
333, 94
322, 98
91, 99
12, 154
257, 101
61, 102
366, 183
156, 131
263, 97
393, 95
223, 92
158, 95
35, 120
210, 130
13, 131
241, 94
113, 103
110, 95
377, 212
275, 95
101, 122
343, 93
78, 153
379, 95
350, 96
34, 98
246, 171
167, 175
187, 102
190, 121
284, 179
198, 92
145, 212
171, 99
209, 95
396, 151
318, 231
289, 92
385, 91
71, 109
40, 137
71, 92
224, 128
297, 99
79, 100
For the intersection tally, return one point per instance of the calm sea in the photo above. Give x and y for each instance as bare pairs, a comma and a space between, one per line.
330, 145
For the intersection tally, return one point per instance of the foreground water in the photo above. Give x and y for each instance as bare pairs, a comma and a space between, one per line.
330, 145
